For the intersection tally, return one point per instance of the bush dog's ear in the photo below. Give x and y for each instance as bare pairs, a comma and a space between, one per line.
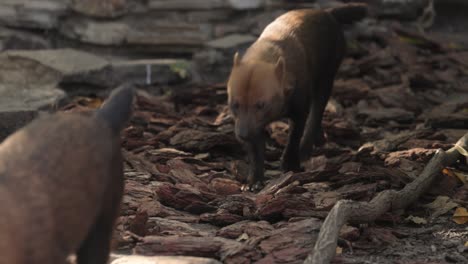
237, 59
280, 69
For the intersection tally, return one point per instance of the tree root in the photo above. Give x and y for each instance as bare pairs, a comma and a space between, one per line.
390, 200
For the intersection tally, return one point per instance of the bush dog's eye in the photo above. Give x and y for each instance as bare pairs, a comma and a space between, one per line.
260, 105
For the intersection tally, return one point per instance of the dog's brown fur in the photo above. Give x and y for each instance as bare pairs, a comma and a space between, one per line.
288, 72
61, 183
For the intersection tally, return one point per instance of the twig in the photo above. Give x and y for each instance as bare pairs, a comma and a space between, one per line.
363, 212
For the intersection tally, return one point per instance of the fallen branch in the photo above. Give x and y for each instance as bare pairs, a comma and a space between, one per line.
390, 200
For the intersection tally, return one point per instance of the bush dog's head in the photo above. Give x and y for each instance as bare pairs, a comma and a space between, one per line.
256, 95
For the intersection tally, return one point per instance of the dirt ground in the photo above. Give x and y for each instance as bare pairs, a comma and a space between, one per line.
398, 97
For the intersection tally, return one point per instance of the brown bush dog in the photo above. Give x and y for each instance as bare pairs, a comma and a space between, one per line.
61, 184
288, 72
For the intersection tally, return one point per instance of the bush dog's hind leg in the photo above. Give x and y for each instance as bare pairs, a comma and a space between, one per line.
313, 133
290, 160
256, 154
97, 245
325, 86
96, 248
311, 130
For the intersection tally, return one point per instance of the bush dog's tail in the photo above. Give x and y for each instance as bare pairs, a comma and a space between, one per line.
117, 109
349, 13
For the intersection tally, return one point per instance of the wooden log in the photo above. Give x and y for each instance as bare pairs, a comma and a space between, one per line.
228, 251
364, 212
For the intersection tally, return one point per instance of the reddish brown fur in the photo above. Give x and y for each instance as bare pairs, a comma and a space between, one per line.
61, 183
287, 72
258, 75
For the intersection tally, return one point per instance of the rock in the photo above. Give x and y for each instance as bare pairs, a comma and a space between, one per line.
163, 260
38, 14
185, 4
62, 66
102, 8
168, 37
30, 79
245, 4
231, 41
223, 29
22, 99
15, 39
145, 33
28, 85
208, 57
94, 32
69, 66
211, 65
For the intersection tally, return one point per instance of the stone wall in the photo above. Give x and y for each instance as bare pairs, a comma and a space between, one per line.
134, 26
142, 27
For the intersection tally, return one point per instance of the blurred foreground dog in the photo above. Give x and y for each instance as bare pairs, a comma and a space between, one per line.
61, 184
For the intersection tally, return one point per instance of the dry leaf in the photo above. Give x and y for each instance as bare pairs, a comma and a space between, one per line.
417, 220
463, 177
455, 173
243, 237
88, 102
460, 216
466, 244
448, 172
441, 205
339, 250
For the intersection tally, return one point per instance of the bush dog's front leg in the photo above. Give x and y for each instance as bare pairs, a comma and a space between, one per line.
256, 154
